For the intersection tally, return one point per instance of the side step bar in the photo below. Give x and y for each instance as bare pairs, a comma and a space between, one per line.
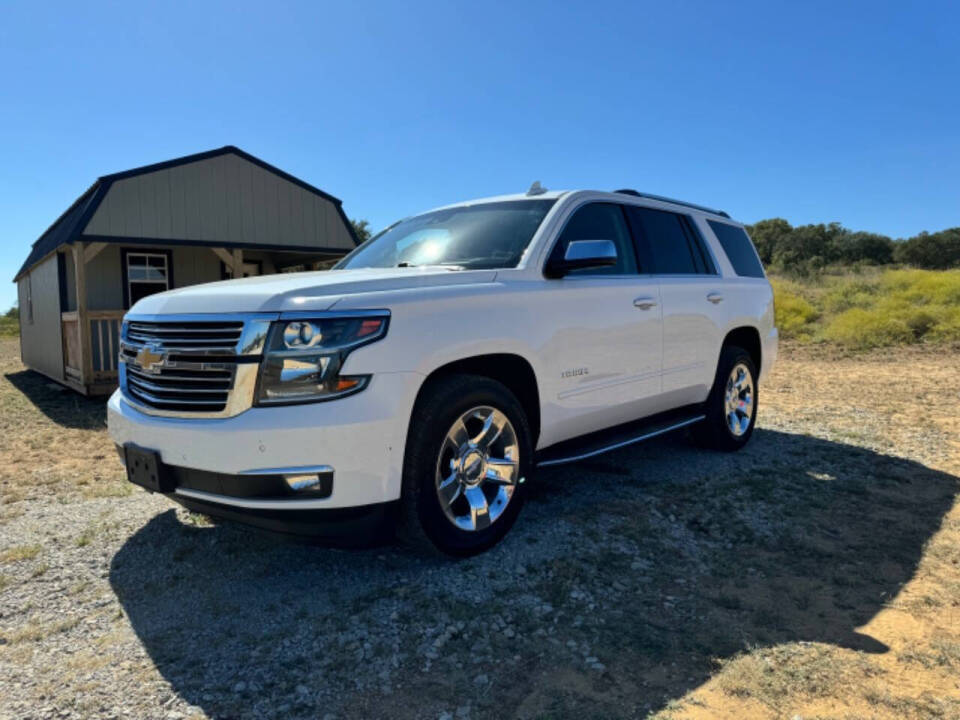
617, 437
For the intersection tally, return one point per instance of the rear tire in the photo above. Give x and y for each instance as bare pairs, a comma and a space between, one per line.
469, 452
731, 407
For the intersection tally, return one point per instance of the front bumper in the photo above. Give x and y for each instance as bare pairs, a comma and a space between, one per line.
362, 437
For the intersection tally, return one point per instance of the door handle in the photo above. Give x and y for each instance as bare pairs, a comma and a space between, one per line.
645, 303
715, 297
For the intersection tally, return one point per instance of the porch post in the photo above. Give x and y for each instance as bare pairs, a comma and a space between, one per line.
83, 322
237, 262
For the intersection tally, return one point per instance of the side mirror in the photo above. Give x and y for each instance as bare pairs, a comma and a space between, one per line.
583, 254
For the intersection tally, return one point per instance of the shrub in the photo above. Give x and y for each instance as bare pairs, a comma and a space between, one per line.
794, 314
947, 327
846, 293
862, 329
923, 286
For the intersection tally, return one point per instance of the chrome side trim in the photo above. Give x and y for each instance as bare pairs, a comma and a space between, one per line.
253, 503
304, 470
623, 443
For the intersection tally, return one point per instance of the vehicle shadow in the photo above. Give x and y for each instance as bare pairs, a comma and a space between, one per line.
62, 405
624, 581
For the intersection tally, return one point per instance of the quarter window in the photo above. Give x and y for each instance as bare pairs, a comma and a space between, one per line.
736, 244
147, 273
600, 221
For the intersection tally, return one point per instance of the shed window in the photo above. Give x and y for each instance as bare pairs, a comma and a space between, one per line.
147, 273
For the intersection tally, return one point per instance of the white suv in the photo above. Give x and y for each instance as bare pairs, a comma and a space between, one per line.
428, 375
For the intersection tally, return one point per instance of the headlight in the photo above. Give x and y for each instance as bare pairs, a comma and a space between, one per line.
303, 357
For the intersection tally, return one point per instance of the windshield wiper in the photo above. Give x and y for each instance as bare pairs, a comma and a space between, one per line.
445, 266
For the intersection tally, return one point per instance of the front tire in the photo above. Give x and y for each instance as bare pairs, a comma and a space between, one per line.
731, 408
468, 454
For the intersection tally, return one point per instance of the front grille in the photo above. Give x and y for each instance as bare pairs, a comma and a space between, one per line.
189, 366
204, 390
190, 336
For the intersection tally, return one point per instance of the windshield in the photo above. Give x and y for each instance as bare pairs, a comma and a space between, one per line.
482, 236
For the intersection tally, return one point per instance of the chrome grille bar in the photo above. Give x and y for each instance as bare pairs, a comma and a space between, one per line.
192, 365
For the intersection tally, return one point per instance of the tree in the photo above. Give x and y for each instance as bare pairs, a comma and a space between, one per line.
362, 229
13, 312
768, 235
935, 251
855, 247
809, 248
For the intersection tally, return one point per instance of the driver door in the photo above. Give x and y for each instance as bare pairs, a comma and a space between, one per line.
603, 360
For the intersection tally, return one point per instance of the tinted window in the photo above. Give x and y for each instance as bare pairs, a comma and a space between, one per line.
485, 235
701, 255
736, 244
664, 236
600, 221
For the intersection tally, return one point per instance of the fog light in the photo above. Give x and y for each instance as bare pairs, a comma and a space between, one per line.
302, 482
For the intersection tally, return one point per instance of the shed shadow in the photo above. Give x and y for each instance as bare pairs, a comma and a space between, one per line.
59, 403
689, 557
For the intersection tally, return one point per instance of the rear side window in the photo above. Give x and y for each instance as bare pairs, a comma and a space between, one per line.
665, 238
600, 221
736, 244
701, 255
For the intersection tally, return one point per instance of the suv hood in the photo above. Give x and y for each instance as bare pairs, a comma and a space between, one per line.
300, 291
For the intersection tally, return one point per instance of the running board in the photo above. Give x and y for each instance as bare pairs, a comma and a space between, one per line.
617, 437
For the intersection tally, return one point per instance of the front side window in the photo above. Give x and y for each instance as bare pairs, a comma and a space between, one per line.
472, 237
147, 273
599, 221
664, 235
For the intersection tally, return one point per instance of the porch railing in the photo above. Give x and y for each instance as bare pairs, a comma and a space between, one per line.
98, 363
104, 343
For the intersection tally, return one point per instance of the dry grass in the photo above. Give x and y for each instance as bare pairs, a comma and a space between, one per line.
38, 420
18, 553
35, 631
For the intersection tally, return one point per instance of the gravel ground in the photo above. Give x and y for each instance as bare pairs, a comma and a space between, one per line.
625, 589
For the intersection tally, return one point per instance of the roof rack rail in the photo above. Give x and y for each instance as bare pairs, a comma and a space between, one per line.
661, 198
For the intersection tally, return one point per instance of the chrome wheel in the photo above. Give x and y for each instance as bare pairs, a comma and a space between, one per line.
478, 468
738, 404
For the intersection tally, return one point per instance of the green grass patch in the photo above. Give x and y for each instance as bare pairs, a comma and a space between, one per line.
870, 308
9, 327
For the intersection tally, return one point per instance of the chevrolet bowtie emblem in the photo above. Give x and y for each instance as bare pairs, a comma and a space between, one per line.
150, 359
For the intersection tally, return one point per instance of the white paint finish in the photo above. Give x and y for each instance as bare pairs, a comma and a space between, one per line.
692, 331
362, 437
603, 333
302, 291
638, 362
221, 199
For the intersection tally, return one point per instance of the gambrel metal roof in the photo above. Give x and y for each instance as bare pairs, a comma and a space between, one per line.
70, 226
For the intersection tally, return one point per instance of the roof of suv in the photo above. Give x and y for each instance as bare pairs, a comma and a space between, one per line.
555, 194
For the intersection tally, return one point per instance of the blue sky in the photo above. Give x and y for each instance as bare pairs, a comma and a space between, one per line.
813, 111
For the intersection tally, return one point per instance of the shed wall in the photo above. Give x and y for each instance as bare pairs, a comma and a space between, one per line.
224, 199
191, 266
41, 347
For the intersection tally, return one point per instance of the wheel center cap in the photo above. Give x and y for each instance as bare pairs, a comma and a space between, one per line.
471, 466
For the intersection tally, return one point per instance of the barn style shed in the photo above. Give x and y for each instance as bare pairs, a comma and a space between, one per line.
200, 218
